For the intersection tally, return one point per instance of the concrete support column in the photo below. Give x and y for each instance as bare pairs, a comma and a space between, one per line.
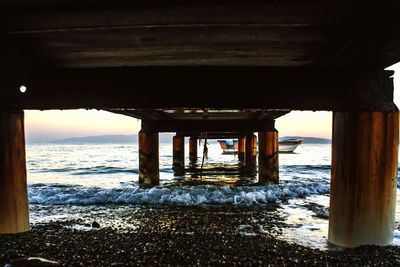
149, 173
364, 178
14, 211
178, 143
241, 148
193, 149
268, 151
251, 150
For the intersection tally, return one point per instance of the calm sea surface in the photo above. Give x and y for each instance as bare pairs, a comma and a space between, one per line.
100, 182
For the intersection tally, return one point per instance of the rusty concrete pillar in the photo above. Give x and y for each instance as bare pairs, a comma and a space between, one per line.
178, 143
364, 178
241, 148
193, 148
14, 210
268, 163
251, 150
148, 158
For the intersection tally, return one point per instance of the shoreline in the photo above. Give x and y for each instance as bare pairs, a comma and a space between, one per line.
180, 236
108, 247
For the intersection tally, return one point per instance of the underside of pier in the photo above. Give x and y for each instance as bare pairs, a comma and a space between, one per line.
225, 68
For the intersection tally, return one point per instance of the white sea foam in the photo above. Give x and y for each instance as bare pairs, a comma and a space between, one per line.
176, 195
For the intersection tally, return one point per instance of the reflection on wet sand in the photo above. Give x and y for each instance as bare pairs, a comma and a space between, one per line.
232, 174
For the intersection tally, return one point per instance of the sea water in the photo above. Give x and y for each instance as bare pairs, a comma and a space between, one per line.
100, 181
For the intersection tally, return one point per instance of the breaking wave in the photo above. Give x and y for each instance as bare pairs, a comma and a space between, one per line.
54, 194
96, 170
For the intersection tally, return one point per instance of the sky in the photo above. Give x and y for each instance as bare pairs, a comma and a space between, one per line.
42, 126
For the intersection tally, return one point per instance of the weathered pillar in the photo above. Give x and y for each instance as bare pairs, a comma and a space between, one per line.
364, 178
178, 143
251, 150
241, 148
148, 158
268, 151
193, 149
14, 211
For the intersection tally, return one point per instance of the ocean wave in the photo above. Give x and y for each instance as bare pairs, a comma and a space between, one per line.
306, 168
182, 195
89, 170
103, 170
95, 170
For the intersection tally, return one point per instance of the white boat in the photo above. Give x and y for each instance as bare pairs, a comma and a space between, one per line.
286, 145
289, 144
229, 146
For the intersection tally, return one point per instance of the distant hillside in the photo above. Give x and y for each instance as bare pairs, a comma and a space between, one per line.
110, 139
312, 140
98, 139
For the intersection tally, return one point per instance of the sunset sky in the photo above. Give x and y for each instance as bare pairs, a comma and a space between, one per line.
44, 126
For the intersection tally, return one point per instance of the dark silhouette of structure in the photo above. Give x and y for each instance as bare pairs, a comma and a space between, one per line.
221, 67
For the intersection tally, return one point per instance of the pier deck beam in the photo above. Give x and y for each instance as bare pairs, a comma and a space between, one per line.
178, 143
364, 178
14, 211
148, 158
193, 149
251, 150
268, 163
241, 149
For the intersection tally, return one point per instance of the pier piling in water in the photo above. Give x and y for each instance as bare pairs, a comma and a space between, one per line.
241, 149
364, 178
193, 149
14, 212
268, 151
148, 158
178, 144
251, 150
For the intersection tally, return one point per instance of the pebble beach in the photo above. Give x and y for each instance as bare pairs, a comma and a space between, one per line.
171, 237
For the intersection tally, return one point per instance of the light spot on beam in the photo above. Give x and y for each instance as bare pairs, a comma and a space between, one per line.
22, 89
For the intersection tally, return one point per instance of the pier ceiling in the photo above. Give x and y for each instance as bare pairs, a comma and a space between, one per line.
96, 33
193, 122
192, 114
156, 54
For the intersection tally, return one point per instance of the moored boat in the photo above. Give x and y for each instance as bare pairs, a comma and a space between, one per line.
289, 144
286, 145
229, 146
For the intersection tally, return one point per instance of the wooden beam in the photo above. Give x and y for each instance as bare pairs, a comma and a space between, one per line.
216, 135
143, 114
68, 33
364, 178
149, 173
178, 155
272, 88
200, 114
193, 144
196, 126
250, 150
268, 157
14, 210
242, 149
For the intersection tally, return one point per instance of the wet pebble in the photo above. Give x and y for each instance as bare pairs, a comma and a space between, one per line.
32, 262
